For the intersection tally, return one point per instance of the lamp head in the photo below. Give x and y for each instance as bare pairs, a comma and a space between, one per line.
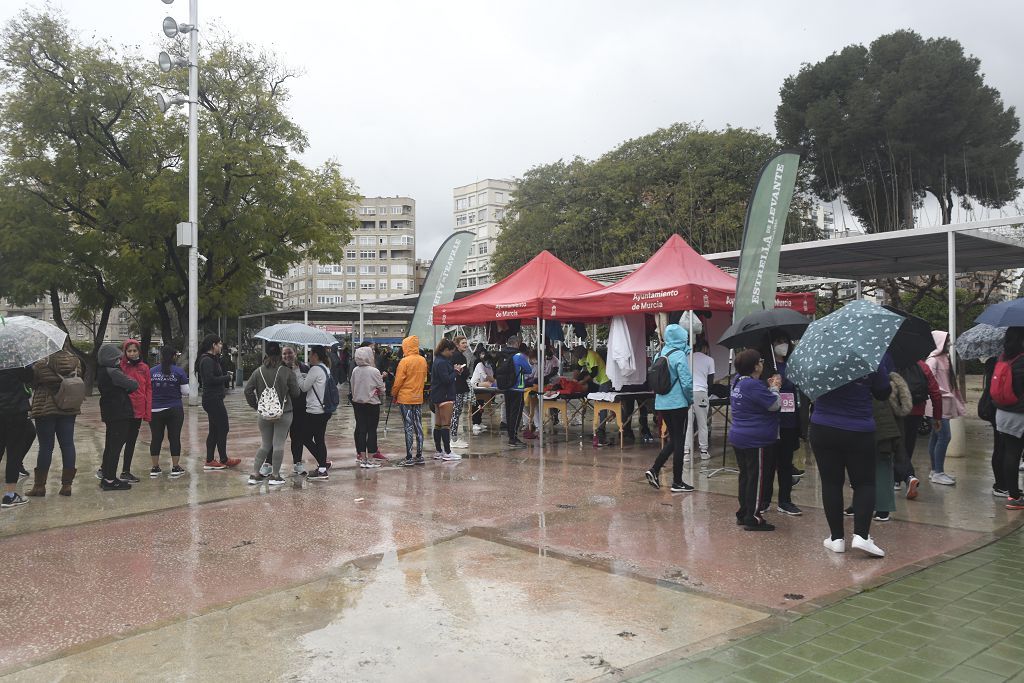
170, 27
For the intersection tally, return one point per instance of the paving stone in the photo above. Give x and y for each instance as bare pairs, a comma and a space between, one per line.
839, 671
997, 665
759, 673
968, 674
920, 667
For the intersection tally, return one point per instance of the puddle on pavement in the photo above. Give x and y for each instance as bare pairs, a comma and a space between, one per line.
463, 609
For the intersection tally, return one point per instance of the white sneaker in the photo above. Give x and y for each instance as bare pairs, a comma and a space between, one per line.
1020, 467
686, 456
266, 470
867, 545
299, 468
944, 479
836, 546
704, 455
477, 429
482, 427
439, 456
451, 457
461, 443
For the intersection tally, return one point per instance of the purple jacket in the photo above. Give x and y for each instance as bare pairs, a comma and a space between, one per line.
849, 407
755, 414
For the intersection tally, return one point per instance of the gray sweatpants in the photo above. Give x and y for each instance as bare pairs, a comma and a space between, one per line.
274, 434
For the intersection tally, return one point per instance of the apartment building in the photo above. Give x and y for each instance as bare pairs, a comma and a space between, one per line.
480, 207
273, 287
119, 326
379, 261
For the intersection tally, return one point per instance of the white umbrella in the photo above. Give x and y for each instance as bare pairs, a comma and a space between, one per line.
296, 333
24, 340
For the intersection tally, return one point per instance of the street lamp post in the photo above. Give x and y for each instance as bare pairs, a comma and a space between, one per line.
188, 234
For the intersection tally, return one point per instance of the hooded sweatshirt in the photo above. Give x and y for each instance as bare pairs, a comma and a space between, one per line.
938, 362
142, 398
681, 393
114, 385
411, 376
14, 394
755, 413
442, 380
366, 383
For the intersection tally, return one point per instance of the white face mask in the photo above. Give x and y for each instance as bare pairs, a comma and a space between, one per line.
781, 349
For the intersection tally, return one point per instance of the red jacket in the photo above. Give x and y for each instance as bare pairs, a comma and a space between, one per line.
142, 398
933, 392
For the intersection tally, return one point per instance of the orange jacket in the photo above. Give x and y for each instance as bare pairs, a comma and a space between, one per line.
411, 376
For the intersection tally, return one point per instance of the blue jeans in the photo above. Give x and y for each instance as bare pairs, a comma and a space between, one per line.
938, 442
63, 427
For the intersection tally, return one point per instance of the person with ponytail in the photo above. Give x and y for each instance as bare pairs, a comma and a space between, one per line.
170, 383
212, 383
442, 395
952, 407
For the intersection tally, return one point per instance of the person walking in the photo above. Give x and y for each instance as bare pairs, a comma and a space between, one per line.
212, 382
952, 407
1010, 418
136, 368
697, 417
407, 392
117, 413
169, 383
842, 436
443, 379
314, 384
54, 422
16, 430
463, 396
367, 385
282, 382
922, 385
673, 408
755, 406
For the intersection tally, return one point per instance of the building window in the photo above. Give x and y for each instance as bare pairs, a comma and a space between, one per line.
367, 240
397, 210
351, 284
350, 270
367, 270
471, 217
383, 270
367, 253
398, 284
461, 204
460, 219
407, 239
481, 215
368, 210
482, 248
499, 197
382, 284
368, 285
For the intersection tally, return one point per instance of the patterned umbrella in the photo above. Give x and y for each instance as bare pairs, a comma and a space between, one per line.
981, 341
842, 347
24, 340
296, 333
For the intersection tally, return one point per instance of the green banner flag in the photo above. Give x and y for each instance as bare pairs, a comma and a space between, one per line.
442, 278
758, 277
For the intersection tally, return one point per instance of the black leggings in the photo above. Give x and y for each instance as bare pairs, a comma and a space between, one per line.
313, 437
367, 417
675, 420
116, 437
296, 431
513, 413
839, 452
169, 420
129, 443
1013, 447
16, 436
217, 437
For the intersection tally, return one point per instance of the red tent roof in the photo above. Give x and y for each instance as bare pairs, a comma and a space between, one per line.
518, 296
675, 278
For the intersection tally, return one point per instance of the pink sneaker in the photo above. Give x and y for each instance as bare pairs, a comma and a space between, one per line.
380, 456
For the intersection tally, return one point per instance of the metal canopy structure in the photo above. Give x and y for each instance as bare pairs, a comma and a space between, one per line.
982, 245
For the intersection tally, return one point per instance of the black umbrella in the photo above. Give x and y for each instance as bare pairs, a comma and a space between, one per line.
752, 330
913, 341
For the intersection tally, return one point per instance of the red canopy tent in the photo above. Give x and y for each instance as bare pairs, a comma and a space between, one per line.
675, 278
520, 295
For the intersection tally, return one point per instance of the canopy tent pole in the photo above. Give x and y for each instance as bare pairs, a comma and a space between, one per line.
540, 382
305, 321
362, 324
725, 433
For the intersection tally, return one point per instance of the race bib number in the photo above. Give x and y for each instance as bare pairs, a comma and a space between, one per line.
788, 401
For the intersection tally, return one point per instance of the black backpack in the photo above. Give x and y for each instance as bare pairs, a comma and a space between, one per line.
659, 377
916, 382
504, 370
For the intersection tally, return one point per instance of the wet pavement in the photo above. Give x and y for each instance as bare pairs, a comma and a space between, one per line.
510, 565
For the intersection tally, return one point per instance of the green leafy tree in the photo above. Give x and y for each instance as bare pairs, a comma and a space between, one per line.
885, 125
621, 207
81, 136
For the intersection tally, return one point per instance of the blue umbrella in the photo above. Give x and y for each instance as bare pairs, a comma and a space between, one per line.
842, 347
1004, 314
980, 342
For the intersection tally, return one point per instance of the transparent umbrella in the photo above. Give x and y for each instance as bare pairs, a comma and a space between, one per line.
296, 333
24, 340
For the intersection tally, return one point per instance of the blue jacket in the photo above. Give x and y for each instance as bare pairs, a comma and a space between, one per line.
523, 369
681, 393
442, 380
167, 388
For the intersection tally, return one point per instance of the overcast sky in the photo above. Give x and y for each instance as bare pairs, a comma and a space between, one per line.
414, 98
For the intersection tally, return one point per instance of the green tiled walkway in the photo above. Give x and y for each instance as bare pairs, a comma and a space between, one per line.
956, 621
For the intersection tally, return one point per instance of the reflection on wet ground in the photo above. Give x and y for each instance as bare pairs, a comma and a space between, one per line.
521, 565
